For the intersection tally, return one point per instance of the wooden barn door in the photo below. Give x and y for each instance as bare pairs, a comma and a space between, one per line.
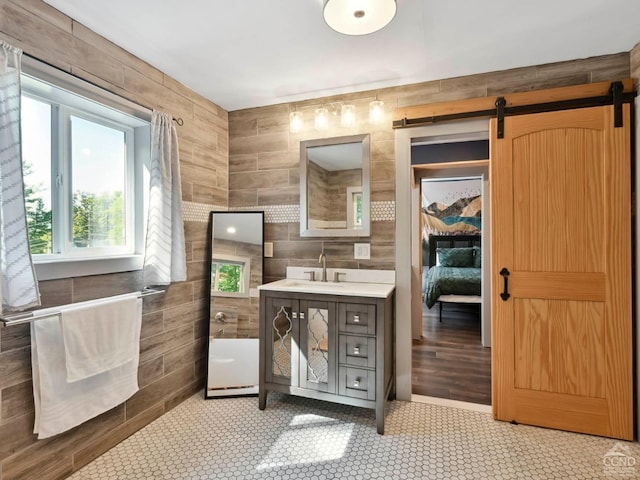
561, 229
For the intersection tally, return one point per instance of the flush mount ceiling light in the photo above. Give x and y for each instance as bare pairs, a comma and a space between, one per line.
358, 17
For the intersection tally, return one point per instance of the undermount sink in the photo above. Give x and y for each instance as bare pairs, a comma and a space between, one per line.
308, 284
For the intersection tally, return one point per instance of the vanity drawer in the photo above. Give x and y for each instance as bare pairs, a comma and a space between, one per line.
357, 318
357, 351
357, 383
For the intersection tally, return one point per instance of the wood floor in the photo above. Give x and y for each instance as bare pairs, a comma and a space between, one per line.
450, 362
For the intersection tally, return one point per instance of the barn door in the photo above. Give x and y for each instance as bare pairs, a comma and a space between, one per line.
561, 250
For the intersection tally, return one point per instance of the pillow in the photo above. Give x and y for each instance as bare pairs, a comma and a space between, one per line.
455, 257
477, 257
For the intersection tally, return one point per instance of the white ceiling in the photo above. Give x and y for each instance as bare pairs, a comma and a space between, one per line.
248, 53
248, 226
342, 156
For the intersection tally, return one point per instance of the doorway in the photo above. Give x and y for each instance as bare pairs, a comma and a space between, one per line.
408, 245
449, 360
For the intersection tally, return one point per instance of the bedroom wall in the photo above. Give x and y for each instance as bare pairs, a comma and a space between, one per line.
264, 155
446, 193
174, 326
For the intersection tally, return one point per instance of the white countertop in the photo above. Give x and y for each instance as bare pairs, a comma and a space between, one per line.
361, 288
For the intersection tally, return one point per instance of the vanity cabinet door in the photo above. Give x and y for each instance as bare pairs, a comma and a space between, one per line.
282, 333
317, 346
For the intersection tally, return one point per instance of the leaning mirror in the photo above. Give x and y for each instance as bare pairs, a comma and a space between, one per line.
235, 256
335, 187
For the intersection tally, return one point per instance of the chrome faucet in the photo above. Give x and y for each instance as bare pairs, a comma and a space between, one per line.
323, 261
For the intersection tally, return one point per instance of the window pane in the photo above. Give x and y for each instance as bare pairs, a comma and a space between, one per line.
226, 277
98, 158
36, 167
357, 210
229, 278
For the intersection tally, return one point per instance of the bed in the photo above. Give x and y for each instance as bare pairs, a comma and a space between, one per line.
454, 273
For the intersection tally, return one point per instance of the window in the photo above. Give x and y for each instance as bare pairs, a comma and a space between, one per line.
85, 154
230, 276
354, 207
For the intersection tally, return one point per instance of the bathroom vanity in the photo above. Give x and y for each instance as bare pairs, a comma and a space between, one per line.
329, 341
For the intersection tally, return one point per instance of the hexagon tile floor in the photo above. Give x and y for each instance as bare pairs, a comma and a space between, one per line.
296, 438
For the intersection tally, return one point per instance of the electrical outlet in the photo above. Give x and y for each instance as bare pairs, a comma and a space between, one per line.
362, 251
268, 249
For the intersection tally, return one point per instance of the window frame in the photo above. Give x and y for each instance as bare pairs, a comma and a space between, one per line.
245, 275
97, 260
351, 207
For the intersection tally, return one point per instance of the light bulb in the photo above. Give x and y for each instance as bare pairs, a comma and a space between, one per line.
376, 111
348, 116
295, 122
322, 119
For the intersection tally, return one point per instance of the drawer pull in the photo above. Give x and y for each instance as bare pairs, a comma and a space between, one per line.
356, 350
356, 319
356, 382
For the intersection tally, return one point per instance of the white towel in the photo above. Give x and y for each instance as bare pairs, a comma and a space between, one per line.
61, 405
98, 336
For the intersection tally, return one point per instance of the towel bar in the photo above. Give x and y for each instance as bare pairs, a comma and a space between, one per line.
27, 317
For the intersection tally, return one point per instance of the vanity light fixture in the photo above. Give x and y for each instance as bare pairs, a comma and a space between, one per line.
322, 119
376, 111
231, 229
348, 115
295, 121
358, 17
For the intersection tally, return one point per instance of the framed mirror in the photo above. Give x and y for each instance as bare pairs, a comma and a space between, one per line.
235, 253
335, 192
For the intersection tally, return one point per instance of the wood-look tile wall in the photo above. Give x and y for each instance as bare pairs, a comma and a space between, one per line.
264, 155
174, 326
635, 65
317, 179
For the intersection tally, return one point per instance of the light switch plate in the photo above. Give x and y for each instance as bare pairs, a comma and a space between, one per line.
362, 251
268, 249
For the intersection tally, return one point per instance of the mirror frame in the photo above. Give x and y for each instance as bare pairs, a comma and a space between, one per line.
234, 389
365, 231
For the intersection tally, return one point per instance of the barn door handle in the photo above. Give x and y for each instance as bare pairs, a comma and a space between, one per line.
505, 274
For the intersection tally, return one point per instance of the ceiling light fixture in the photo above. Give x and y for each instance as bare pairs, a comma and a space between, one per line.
359, 17
376, 111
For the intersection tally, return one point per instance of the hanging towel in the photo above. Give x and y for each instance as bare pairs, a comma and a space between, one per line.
62, 405
18, 285
164, 254
99, 336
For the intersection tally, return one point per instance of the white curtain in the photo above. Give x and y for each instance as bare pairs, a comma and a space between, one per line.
19, 285
164, 258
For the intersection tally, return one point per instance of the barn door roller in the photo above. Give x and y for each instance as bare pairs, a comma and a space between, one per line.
500, 104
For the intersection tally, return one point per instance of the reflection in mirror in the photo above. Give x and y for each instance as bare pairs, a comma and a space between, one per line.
318, 346
236, 261
335, 187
